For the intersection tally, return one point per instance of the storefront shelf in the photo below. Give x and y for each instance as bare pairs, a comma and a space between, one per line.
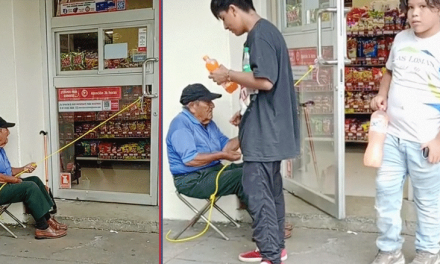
114, 119
366, 65
99, 159
372, 33
356, 141
324, 139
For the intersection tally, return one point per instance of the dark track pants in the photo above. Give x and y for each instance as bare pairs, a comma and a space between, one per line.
263, 188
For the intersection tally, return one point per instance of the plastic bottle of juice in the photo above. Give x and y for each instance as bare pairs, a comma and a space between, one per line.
212, 65
376, 137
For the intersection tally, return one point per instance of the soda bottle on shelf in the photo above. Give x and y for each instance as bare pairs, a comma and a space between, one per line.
376, 137
212, 65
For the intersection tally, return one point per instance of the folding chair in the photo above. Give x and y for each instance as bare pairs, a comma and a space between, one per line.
4, 209
200, 214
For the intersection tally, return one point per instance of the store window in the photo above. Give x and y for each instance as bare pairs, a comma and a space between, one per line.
83, 7
116, 156
79, 51
125, 47
297, 14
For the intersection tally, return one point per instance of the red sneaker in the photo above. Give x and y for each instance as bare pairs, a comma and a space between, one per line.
255, 256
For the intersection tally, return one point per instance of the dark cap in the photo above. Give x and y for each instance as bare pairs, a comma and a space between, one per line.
195, 92
4, 124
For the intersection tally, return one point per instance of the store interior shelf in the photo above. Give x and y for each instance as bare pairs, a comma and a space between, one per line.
366, 65
305, 90
114, 119
356, 141
372, 33
324, 139
100, 159
358, 113
100, 138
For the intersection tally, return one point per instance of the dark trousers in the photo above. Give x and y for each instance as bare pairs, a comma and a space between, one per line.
263, 188
201, 184
32, 192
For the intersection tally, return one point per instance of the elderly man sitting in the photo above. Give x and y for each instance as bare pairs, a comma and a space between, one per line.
31, 191
196, 145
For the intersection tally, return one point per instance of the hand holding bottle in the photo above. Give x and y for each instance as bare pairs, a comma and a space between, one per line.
219, 74
376, 138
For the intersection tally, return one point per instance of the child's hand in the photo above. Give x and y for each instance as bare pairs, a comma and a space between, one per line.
379, 102
434, 150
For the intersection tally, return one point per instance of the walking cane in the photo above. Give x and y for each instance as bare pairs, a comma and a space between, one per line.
46, 173
309, 131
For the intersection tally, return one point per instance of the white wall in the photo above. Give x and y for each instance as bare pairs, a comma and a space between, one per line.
21, 82
190, 31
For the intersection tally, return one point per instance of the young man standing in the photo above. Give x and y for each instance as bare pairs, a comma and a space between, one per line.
268, 123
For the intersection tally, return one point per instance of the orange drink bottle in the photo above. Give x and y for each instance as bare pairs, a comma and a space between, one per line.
212, 65
376, 138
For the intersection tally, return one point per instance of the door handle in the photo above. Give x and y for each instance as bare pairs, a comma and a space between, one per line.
320, 59
145, 92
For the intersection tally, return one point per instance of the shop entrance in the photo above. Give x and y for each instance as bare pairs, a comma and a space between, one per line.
355, 40
102, 59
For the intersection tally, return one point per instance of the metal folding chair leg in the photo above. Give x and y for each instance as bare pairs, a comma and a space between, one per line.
7, 229
15, 218
4, 209
199, 214
226, 215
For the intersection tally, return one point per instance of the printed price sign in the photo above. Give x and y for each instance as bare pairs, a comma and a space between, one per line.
142, 40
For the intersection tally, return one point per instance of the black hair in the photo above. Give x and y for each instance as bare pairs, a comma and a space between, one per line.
429, 3
218, 6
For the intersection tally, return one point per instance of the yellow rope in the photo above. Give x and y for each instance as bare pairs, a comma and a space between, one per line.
68, 145
212, 198
311, 67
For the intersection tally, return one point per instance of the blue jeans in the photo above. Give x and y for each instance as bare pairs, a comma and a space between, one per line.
401, 158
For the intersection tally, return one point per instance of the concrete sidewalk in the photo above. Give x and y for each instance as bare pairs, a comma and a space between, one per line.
79, 246
306, 246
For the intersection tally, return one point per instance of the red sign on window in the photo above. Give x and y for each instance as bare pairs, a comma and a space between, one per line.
99, 93
307, 56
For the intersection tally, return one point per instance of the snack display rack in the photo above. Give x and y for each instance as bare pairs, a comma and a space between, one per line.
126, 137
370, 34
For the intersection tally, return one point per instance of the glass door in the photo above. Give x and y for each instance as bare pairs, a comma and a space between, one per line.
315, 35
104, 87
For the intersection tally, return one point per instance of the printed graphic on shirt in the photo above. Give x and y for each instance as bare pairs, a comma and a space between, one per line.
423, 64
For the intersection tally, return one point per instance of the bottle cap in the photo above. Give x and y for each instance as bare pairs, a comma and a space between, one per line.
246, 49
206, 57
